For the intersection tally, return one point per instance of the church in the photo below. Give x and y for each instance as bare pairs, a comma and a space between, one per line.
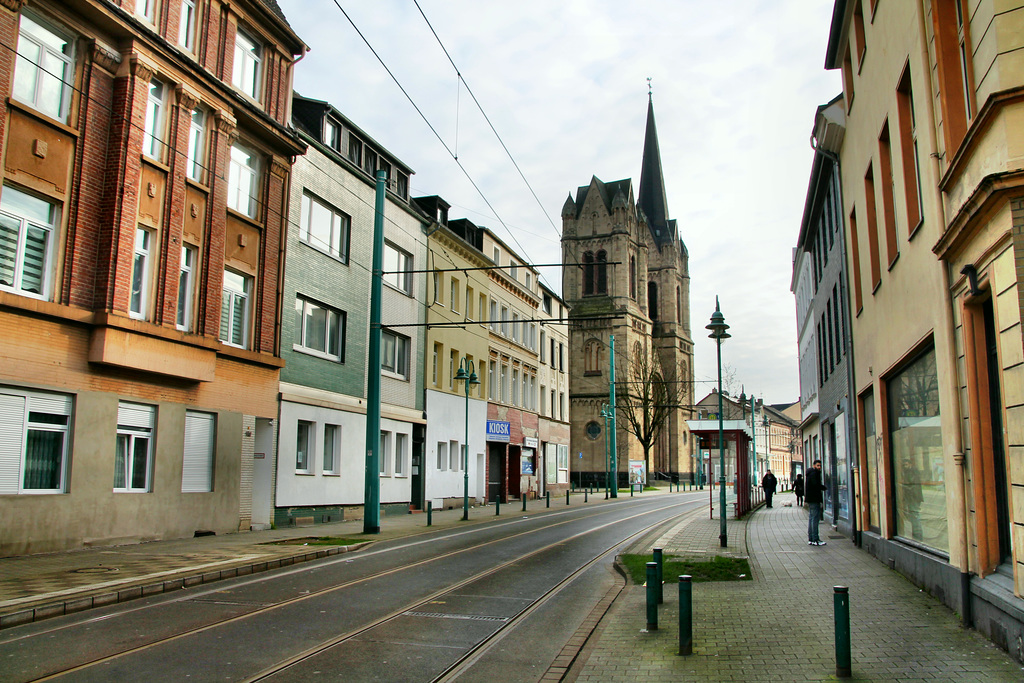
625, 275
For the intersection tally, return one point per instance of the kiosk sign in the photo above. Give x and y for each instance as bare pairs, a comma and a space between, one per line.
498, 430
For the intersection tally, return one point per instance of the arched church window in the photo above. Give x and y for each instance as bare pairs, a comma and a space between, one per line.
632, 278
602, 272
652, 300
679, 305
588, 272
592, 357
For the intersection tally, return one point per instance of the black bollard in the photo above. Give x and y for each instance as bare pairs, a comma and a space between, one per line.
841, 600
685, 615
430, 512
652, 596
658, 560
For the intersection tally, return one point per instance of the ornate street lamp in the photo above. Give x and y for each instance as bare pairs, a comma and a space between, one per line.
470, 379
718, 333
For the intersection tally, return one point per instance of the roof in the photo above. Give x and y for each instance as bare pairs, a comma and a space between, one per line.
651, 197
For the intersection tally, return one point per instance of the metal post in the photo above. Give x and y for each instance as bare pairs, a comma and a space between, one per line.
718, 333
524, 502
841, 600
586, 495
652, 596
547, 499
430, 512
614, 464
371, 482
567, 497
685, 615
497, 505
659, 561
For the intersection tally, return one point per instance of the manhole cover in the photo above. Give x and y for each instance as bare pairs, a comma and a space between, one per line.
93, 570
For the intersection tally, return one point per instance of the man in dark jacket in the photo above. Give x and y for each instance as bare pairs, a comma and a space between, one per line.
813, 490
768, 483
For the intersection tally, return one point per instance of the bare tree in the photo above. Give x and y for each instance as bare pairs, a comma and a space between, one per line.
649, 396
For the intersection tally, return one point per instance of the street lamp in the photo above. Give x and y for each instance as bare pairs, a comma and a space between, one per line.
767, 444
470, 379
718, 333
606, 413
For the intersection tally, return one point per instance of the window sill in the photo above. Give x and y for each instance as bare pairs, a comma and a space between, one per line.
28, 110
304, 473
393, 375
343, 260
316, 354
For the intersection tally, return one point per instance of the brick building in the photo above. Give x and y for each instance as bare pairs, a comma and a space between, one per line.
146, 151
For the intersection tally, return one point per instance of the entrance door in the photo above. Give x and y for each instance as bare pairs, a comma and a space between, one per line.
262, 472
515, 469
495, 471
1003, 523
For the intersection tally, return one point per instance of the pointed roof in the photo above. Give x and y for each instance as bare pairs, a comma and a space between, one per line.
651, 196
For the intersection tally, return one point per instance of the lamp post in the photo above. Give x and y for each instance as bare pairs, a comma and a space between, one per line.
606, 413
718, 333
767, 444
470, 379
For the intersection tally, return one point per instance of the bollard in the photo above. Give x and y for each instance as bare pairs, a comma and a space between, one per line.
430, 512
586, 495
685, 615
661, 586
652, 596
497, 506
566, 497
631, 490
524, 503
547, 498
841, 599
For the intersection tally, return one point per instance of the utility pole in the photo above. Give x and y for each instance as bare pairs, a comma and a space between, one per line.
614, 464
371, 486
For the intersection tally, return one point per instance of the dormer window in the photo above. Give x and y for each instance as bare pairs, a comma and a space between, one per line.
355, 149
332, 135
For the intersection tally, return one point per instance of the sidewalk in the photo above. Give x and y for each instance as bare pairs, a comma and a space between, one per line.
779, 627
34, 587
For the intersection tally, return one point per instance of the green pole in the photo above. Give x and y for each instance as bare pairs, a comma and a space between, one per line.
430, 512
753, 440
841, 601
371, 485
659, 561
614, 464
685, 615
723, 536
652, 596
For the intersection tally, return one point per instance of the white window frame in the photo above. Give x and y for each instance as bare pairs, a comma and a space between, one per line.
384, 454
492, 369
515, 386
453, 295
136, 424
396, 265
334, 349
401, 440
138, 299
196, 154
31, 78
26, 214
198, 456
187, 270
22, 414
394, 354
244, 173
332, 449
153, 137
188, 19
146, 9
305, 459
454, 456
335, 239
237, 288
442, 456
332, 135
247, 69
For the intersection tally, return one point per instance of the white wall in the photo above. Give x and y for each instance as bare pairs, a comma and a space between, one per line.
447, 422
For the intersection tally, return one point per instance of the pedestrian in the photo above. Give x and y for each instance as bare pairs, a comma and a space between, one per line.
768, 483
814, 488
798, 489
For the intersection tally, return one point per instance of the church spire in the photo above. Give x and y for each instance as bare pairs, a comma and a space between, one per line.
651, 197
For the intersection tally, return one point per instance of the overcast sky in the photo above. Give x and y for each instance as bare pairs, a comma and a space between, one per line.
564, 82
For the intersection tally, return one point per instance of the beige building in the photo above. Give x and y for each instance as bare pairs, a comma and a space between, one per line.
933, 195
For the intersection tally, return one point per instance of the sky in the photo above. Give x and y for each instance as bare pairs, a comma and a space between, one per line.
564, 83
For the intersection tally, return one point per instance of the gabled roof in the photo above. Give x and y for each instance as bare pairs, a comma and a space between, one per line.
621, 190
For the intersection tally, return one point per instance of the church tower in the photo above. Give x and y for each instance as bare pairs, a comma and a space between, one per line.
625, 273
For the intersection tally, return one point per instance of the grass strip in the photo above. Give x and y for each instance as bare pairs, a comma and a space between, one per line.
716, 569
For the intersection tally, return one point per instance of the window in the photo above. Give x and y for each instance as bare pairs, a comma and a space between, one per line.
400, 442
482, 306
561, 357
515, 386
245, 73
370, 161
918, 467
505, 332
543, 343
436, 277
332, 442
384, 456
355, 149
186, 287
395, 354
397, 265
632, 277
873, 252
319, 330
543, 400
234, 309
44, 68
504, 388
453, 298
561, 405
858, 30
848, 79
867, 414
197, 458
513, 269
955, 70
529, 281
303, 446
34, 430
515, 326
469, 303
453, 360
438, 350
323, 227
908, 151
855, 259
27, 227
494, 316
138, 304
453, 456
146, 9
243, 181
592, 358
187, 24
402, 186
442, 455
196, 158
132, 458
152, 141
602, 272
588, 272
497, 256
888, 203
332, 135
492, 368
552, 403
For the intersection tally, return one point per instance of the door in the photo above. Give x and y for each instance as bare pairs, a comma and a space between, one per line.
514, 465
495, 471
262, 472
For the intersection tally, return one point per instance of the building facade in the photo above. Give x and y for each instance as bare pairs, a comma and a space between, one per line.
317, 475
147, 151
932, 186
625, 275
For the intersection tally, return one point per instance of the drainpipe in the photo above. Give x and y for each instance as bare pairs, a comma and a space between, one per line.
956, 439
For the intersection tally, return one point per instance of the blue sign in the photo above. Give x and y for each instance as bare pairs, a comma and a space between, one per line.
498, 431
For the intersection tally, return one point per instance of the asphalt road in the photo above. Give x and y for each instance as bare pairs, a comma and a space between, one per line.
493, 601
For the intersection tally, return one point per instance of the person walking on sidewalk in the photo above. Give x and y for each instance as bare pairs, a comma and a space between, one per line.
798, 489
768, 483
813, 488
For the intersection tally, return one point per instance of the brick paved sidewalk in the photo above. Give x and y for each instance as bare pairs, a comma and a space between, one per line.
779, 627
